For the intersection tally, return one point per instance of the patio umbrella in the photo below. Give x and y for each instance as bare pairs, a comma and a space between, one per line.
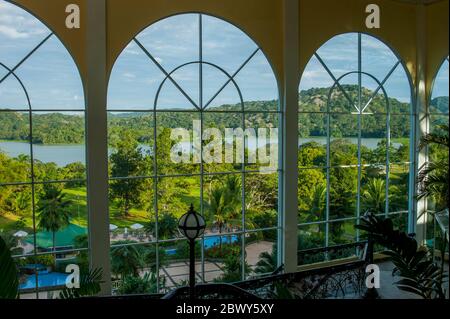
136, 226
20, 234
112, 227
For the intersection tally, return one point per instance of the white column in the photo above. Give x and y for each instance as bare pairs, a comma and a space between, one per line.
290, 134
418, 217
97, 149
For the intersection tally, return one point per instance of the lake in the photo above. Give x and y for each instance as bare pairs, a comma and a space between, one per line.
63, 155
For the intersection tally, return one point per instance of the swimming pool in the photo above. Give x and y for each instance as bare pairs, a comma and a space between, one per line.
45, 280
210, 242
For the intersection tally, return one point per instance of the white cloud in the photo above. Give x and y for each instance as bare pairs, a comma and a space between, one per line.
15, 23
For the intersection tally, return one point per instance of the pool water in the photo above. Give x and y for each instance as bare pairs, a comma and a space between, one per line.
210, 242
45, 280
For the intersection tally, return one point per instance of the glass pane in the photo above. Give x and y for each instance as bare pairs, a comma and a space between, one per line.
312, 139
344, 99
398, 187
15, 158
224, 44
314, 87
439, 102
400, 138
173, 41
340, 53
130, 144
310, 237
22, 32
257, 82
227, 255
373, 139
398, 90
373, 189
342, 232
343, 183
134, 81
223, 203
61, 207
131, 209
223, 141
261, 253
178, 143
261, 143
344, 139
217, 98
133, 269
371, 103
12, 94
311, 195
58, 145
16, 218
377, 58
175, 195
261, 200
52, 78
174, 264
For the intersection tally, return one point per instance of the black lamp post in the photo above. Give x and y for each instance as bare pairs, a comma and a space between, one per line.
192, 225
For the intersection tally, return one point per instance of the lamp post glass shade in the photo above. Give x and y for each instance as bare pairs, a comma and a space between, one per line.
192, 225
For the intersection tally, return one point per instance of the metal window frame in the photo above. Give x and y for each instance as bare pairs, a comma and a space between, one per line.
360, 107
202, 108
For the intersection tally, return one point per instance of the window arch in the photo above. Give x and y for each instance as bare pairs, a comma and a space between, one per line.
42, 149
438, 113
186, 77
354, 133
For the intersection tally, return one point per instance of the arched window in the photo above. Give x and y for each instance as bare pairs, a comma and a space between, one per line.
354, 140
438, 113
42, 150
193, 118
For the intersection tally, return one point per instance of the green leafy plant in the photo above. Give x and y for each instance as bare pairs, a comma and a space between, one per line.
9, 282
89, 285
420, 275
433, 177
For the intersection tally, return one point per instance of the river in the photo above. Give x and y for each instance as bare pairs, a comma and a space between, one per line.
66, 154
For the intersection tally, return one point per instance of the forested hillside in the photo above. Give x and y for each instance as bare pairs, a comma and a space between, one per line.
56, 128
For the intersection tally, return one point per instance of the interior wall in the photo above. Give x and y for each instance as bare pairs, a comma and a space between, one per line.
437, 33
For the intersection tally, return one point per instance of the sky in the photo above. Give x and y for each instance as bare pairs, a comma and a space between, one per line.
53, 82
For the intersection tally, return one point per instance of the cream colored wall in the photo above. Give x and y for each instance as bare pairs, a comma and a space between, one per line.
263, 21
437, 38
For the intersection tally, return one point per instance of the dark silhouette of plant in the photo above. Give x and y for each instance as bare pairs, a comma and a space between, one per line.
433, 178
268, 262
420, 275
89, 285
9, 282
126, 259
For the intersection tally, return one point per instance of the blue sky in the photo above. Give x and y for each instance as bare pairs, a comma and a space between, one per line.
52, 79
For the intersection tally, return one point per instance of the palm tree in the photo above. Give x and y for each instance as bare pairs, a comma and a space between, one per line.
126, 259
218, 209
433, 177
374, 195
53, 213
268, 262
317, 200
